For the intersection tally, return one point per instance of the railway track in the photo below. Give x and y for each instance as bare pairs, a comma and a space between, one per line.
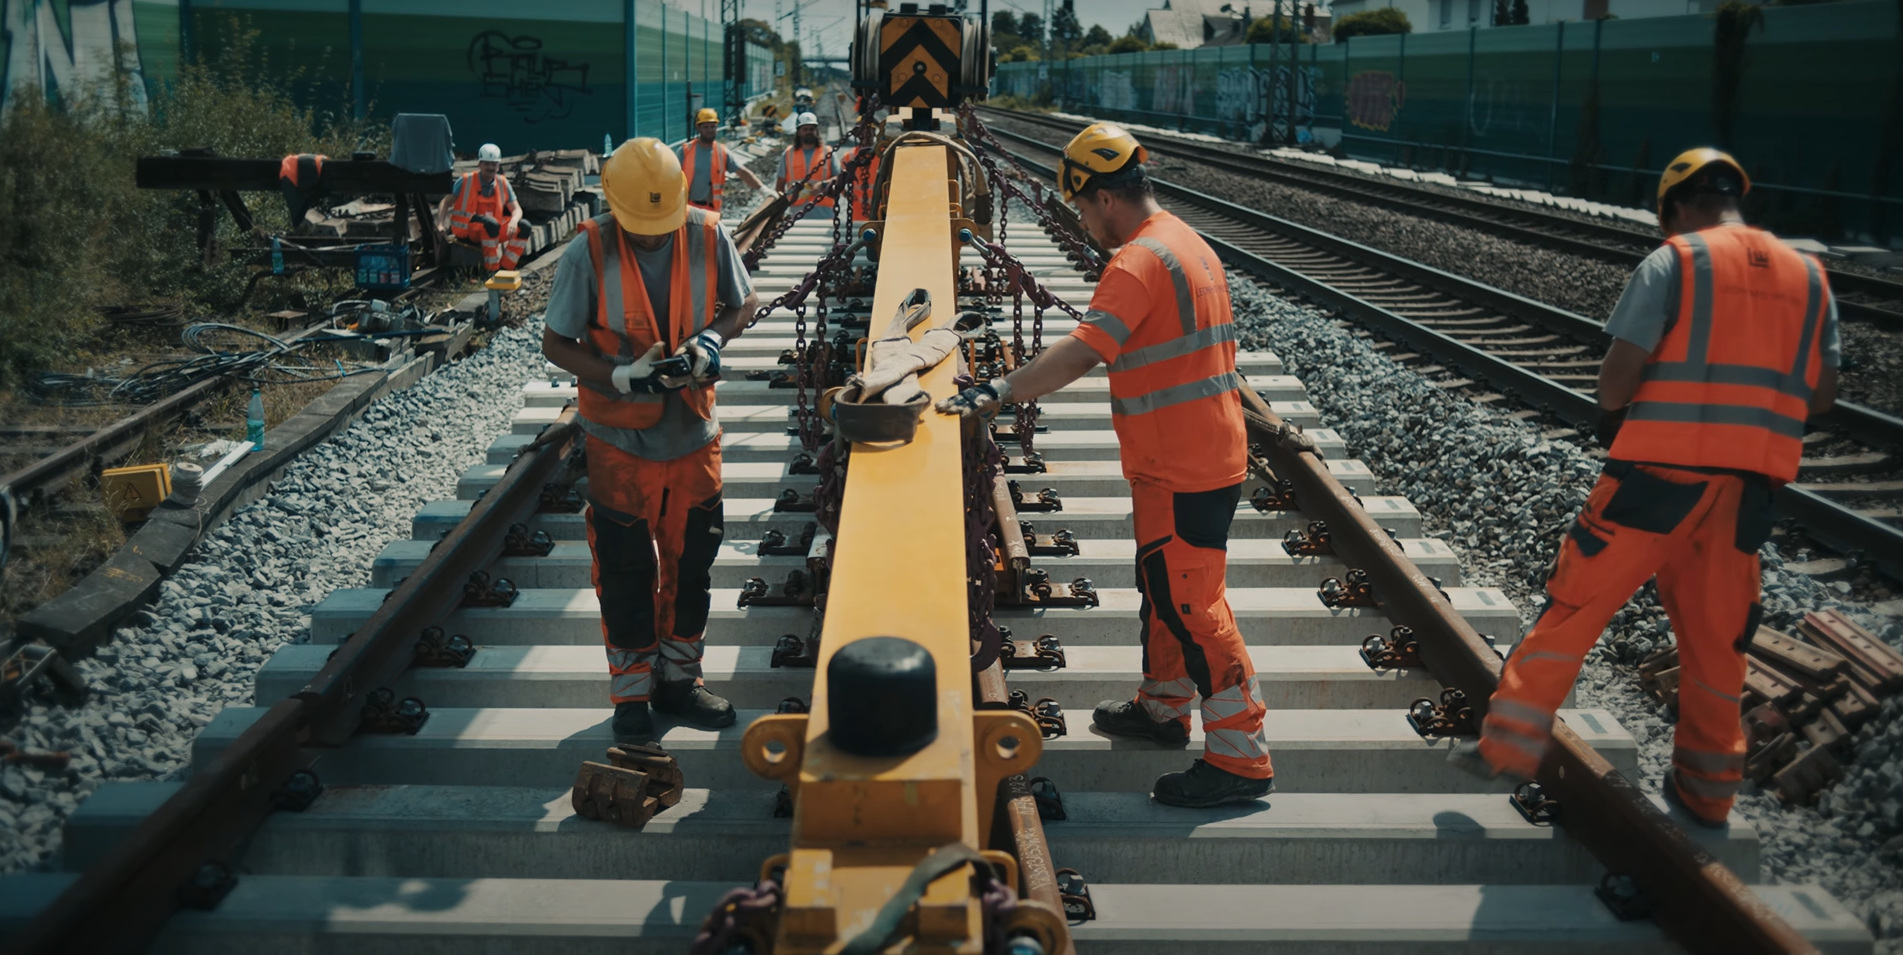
461, 834
1497, 344
1860, 296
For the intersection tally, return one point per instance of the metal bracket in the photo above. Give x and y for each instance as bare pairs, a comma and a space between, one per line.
383, 713
435, 649
1032, 463
803, 463
794, 593
790, 502
791, 651
1075, 893
1050, 802
521, 542
1281, 498
208, 887
1396, 651
1623, 897
1452, 716
1046, 501
1044, 653
480, 591
1352, 590
299, 791
560, 499
1035, 587
1045, 712
1534, 804
35, 661
636, 783
1312, 541
1061, 543
773, 543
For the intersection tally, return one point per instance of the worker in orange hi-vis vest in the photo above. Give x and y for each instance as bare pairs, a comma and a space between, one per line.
707, 165
1723, 343
652, 278
482, 209
863, 182
807, 165
1161, 318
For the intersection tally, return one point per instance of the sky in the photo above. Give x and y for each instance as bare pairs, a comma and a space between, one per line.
828, 23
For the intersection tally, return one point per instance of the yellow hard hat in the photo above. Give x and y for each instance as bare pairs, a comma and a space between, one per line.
1102, 149
1689, 164
706, 116
646, 190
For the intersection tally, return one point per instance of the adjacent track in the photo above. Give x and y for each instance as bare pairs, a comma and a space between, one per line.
1545, 356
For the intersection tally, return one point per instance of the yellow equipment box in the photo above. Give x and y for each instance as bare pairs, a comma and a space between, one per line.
132, 492
507, 280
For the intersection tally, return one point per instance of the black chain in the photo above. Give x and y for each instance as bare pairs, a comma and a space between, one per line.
830, 190
1073, 242
981, 464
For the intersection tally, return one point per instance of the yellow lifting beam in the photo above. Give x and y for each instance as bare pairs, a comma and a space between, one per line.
861, 825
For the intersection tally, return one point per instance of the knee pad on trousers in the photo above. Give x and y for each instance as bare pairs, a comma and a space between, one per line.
700, 544
625, 569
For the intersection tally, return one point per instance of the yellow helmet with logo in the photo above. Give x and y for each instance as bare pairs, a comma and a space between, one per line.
1688, 164
1102, 149
706, 115
646, 190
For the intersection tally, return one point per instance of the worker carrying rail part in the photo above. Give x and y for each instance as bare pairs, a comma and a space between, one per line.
708, 164
1161, 318
641, 306
808, 164
1723, 342
482, 210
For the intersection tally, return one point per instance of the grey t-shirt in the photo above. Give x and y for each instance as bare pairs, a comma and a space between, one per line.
701, 190
1651, 298
571, 306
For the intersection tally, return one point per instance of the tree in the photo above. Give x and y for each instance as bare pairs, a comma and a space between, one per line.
1127, 44
1031, 28
1004, 22
1066, 32
1520, 16
1270, 30
1373, 23
1098, 36
1502, 15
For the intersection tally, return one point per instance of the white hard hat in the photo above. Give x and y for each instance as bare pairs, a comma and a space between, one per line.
806, 119
489, 153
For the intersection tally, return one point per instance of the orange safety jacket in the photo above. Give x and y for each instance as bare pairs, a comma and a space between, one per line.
797, 170
716, 176
1730, 383
1174, 398
470, 203
624, 326
863, 184
302, 169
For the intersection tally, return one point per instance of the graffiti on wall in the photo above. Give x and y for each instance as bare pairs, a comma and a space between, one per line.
1173, 90
1117, 92
514, 70
66, 59
1374, 97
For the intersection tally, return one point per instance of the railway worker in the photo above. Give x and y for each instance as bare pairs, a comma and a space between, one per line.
1161, 318
651, 279
808, 164
482, 209
708, 164
1723, 342
864, 180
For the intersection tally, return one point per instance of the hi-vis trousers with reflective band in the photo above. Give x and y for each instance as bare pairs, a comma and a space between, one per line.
654, 528
1191, 646
1699, 533
498, 252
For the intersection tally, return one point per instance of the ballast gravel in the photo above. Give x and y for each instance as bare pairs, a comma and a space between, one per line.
1500, 494
250, 586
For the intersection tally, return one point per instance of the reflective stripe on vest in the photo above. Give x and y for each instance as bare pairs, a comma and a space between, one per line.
1211, 367
863, 183
624, 326
470, 202
1739, 299
798, 171
716, 175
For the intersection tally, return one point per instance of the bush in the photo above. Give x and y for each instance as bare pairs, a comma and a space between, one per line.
1373, 23
1269, 30
1127, 44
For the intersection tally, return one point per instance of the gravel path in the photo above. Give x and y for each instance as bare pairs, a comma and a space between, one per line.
250, 587
1501, 495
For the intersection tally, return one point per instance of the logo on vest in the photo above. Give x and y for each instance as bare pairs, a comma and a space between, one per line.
1758, 258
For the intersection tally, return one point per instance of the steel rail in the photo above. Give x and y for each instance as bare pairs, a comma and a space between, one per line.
1831, 522
1611, 243
190, 845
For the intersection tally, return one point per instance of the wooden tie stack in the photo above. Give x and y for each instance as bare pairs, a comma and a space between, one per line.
1803, 699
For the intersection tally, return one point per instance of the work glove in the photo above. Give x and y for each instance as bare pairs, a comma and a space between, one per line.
1607, 427
983, 400
703, 359
638, 375
489, 225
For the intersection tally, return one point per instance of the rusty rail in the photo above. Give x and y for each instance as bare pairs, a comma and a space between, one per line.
1694, 898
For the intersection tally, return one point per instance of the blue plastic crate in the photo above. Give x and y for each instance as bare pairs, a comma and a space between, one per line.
383, 268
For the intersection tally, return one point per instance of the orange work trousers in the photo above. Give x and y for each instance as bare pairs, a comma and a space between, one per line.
654, 528
498, 252
1699, 533
1191, 646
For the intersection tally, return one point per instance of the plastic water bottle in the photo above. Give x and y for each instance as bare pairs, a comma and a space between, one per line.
277, 257
254, 420
607, 145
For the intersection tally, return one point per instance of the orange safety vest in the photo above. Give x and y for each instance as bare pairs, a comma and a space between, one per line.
623, 326
1174, 398
797, 170
470, 202
302, 169
863, 184
1730, 383
716, 178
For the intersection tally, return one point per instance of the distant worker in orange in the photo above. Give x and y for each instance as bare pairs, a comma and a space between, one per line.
708, 164
808, 164
1723, 343
638, 313
864, 181
1161, 318
482, 210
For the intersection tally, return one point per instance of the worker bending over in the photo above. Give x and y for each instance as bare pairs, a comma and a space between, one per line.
482, 210
1160, 317
639, 312
807, 165
1724, 341
708, 164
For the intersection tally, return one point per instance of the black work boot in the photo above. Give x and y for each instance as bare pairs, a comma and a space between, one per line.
1129, 718
1205, 786
633, 725
693, 704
